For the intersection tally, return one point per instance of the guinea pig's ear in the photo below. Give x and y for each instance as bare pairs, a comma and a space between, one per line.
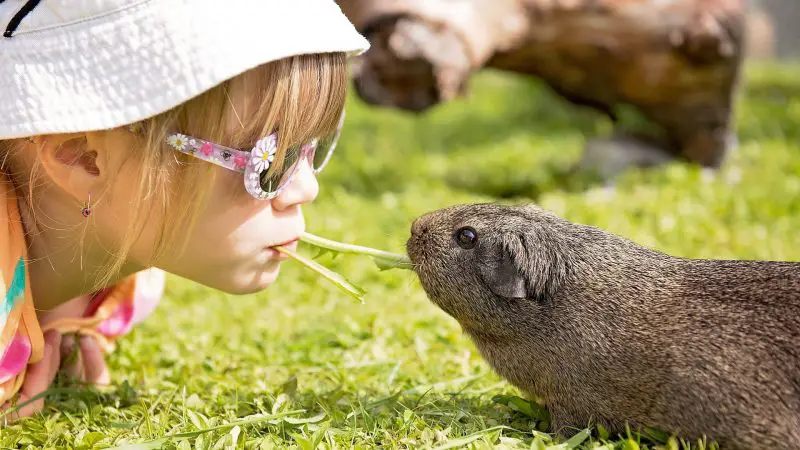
531, 264
499, 263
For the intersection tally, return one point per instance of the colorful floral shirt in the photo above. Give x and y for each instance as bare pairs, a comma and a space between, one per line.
111, 312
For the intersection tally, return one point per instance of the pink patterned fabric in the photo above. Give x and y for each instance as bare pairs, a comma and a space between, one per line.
133, 309
15, 357
149, 290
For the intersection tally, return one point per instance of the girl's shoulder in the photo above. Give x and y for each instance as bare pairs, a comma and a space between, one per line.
21, 339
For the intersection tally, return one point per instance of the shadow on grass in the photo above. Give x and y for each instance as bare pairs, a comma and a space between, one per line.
458, 413
463, 415
548, 178
72, 397
499, 105
400, 147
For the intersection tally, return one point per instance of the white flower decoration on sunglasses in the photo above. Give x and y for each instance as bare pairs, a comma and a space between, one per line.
178, 141
264, 153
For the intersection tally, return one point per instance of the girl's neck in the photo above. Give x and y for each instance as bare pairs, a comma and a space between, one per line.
63, 261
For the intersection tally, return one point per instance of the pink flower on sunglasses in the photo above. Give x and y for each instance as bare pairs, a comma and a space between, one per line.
240, 161
206, 149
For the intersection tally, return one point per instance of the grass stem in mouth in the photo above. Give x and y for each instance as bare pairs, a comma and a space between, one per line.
384, 260
340, 281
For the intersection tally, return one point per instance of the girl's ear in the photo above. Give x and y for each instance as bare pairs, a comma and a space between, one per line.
77, 163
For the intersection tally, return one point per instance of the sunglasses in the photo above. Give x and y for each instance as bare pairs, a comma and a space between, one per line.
259, 181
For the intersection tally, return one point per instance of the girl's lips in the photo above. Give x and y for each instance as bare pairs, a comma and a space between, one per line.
290, 245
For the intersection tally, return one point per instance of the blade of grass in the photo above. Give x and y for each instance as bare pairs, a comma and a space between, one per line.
461, 442
578, 439
158, 443
340, 281
422, 388
384, 260
43, 394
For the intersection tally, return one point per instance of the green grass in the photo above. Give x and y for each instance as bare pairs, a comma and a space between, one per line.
396, 372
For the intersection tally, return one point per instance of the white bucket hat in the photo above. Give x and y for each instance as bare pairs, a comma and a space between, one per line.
81, 65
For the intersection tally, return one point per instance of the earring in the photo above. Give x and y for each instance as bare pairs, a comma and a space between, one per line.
87, 210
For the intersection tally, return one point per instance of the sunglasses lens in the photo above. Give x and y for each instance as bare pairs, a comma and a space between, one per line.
321, 154
324, 151
271, 180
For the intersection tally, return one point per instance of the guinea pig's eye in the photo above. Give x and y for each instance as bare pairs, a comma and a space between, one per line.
466, 237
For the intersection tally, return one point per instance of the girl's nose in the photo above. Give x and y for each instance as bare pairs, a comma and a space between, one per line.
302, 189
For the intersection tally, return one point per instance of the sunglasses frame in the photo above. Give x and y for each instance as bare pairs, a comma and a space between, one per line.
255, 162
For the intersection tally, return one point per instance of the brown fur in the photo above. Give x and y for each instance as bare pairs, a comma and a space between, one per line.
606, 331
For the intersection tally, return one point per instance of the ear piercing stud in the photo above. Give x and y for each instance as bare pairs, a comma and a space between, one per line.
87, 210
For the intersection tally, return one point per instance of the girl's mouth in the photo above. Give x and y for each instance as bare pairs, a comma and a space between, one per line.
384, 260
291, 245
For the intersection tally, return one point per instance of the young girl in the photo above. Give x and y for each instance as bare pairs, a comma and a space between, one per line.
145, 135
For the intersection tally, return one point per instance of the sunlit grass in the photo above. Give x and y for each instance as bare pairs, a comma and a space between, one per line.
395, 371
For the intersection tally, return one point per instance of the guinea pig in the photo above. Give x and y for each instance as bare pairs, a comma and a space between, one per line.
605, 331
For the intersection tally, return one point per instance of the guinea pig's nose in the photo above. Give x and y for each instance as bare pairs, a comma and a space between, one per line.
415, 245
419, 226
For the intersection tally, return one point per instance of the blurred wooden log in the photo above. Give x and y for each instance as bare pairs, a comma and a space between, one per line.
677, 61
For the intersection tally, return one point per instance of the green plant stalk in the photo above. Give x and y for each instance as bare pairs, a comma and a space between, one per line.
340, 281
384, 260
159, 443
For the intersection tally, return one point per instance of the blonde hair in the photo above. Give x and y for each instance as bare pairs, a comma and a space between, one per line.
301, 97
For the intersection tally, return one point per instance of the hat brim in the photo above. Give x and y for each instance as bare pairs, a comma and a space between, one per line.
154, 55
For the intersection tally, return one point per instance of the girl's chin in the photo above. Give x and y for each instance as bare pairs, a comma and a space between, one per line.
256, 282
265, 278
269, 276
